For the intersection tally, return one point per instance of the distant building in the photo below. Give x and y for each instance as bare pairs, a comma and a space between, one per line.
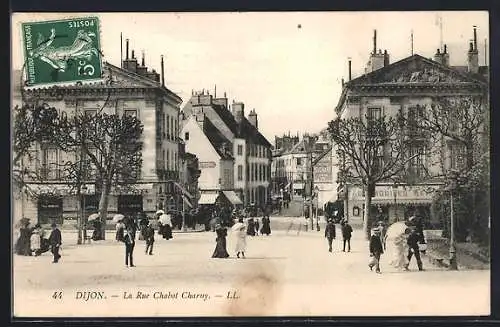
248, 148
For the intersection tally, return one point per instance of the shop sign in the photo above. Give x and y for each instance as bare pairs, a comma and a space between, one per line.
207, 164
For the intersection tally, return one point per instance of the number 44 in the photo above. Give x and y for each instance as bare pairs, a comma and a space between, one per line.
57, 295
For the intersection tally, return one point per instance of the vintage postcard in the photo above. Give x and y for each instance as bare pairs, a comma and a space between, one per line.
250, 164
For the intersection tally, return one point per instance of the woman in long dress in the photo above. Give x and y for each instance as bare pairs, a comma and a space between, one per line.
220, 247
266, 225
241, 238
399, 249
36, 240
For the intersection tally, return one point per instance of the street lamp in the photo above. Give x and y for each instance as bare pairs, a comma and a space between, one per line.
395, 191
451, 188
81, 230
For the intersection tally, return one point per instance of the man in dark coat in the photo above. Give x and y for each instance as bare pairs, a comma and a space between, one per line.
376, 249
149, 237
413, 249
346, 235
330, 233
55, 241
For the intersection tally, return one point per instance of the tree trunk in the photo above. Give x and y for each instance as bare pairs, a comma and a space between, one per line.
366, 214
103, 207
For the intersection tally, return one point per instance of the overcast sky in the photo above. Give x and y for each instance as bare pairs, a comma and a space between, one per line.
288, 66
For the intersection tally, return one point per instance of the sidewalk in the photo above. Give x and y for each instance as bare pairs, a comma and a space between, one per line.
438, 252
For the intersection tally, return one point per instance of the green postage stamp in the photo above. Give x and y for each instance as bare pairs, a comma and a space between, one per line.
62, 51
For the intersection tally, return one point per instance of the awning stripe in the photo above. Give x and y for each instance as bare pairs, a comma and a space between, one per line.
232, 197
208, 198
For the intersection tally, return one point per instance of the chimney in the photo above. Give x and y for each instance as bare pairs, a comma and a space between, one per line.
162, 72
438, 57
252, 118
446, 56
475, 38
126, 50
374, 41
473, 56
133, 54
238, 111
143, 62
386, 58
350, 69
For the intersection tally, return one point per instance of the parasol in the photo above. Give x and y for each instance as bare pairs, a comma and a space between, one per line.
238, 227
160, 212
165, 219
93, 216
396, 230
118, 217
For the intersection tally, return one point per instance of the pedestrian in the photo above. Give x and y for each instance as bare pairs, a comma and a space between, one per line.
23, 246
251, 227
55, 241
96, 234
220, 247
413, 249
266, 226
35, 240
129, 240
376, 250
44, 242
346, 235
149, 237
167, 226
120, 231
241, 238
257, 226
330, 233
306, 223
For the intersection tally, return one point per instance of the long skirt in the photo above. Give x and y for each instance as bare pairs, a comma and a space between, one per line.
167, 232
266, 229
220, 248
397, 253
241, 244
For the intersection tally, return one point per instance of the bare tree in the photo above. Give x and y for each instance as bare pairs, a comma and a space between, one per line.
372, 150
108, 150
459, 124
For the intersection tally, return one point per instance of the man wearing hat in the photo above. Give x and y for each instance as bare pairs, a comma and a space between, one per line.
376, 249
330, 233
55, 241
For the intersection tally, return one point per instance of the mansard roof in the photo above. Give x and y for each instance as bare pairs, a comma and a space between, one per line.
217, 139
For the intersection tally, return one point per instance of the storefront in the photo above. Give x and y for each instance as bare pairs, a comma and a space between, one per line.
130, 205
392, 204
50, 209
90, 203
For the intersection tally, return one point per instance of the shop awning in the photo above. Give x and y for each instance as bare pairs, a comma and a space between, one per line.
232, 197
147, 186
298, 186
61, 189
208, 198
183, 189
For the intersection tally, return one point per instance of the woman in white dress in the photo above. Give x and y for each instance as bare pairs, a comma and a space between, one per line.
399, 249
240, 233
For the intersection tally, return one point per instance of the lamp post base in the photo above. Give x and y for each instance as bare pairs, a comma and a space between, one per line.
453, 260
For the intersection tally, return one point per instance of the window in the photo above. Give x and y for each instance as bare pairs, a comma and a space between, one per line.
240, 149
167, 166
457, 156
167, 131
415, 116
90, 112
186, 136
49, 164
175, 162
299, 161
130, 112
163, 159
378, 161
240, 172
172, 129
417, 160
374, 114
248, 173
